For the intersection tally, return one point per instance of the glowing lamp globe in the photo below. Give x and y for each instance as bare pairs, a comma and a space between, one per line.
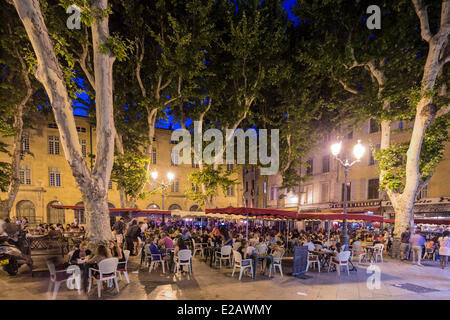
358, 150
170, 176
336, 148
154, 175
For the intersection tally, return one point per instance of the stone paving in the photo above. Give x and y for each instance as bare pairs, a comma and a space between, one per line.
215, 283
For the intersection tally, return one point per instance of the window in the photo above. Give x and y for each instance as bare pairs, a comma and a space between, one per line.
349, 189
53, 145
79, 214
174, 159
324, 192
326, 164
265, 187
253, 185
25, 175
25, 208
195, 188
83, 147
26, 142
230, 167
273, 193
371, 157
309, 167
307, 194
195, 165
52, 126
81, 129
173, 142
246, 186
423, 193
153, 155
230, 191
257, 189
175, 187
373, 126
55, 177
373, 189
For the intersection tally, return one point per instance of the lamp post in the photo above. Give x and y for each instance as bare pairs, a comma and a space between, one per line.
164, 185
358, 152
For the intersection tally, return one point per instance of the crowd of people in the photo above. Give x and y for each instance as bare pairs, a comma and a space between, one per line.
45, 228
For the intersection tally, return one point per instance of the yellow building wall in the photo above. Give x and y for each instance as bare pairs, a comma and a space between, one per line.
41, 194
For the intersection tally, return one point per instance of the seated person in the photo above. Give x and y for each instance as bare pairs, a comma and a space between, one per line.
117, 252
261, 247
243, 251
82, 253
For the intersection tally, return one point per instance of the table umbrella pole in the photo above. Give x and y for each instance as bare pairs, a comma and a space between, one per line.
247, 228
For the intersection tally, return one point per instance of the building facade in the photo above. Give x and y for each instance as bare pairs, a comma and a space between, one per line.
323, 190
46, 177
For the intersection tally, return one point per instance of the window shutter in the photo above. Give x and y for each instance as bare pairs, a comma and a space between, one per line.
363, 189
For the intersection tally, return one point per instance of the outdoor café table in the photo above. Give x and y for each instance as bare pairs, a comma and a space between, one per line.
324, 257
370, 252
210, 252
256, 258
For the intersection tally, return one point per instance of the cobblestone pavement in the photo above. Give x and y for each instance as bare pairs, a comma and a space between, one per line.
399, 280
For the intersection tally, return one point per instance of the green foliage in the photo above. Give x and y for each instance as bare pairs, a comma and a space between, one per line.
393, 159
212, 180
119, 47
129, 172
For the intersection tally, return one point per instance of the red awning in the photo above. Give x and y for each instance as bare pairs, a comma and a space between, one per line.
425, 221
339, 216
137, 211
256, 212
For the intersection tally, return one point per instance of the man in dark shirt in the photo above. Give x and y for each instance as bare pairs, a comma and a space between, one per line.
119, 228
404, 246
132, 237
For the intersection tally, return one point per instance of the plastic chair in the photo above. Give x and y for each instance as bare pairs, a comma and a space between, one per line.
147, 255
340, 260
224, 254
242, 264
156, 260
107, 270
250, 250
261, 249
123, 266
358, 251
378, 251
277, 263
313, 259
59, 276
429, 252
184, 258
197, 247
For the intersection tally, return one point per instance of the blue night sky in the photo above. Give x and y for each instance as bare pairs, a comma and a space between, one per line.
288, 4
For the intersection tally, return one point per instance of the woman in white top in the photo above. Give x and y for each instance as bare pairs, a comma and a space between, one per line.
444, 248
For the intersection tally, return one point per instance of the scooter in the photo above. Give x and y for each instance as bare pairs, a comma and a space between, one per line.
13, 254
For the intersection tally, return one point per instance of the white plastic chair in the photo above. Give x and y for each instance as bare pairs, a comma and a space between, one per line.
358, 251
123, 266
236, 245
378, 251
224, 254
197, 247
277, 263
313, 259
242, 264
157, 259
261, 249
250, 250
59, 276
147, 255
341, 260
184, 258
107, 270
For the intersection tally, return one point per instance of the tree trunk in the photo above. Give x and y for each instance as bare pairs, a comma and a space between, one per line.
93, 186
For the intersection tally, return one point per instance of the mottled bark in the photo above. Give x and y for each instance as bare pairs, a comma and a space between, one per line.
93, 185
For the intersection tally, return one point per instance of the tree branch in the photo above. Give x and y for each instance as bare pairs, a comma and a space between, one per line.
82, 61
422, 13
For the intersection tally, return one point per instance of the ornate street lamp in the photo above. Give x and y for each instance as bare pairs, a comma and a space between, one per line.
358, 152
164, 185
